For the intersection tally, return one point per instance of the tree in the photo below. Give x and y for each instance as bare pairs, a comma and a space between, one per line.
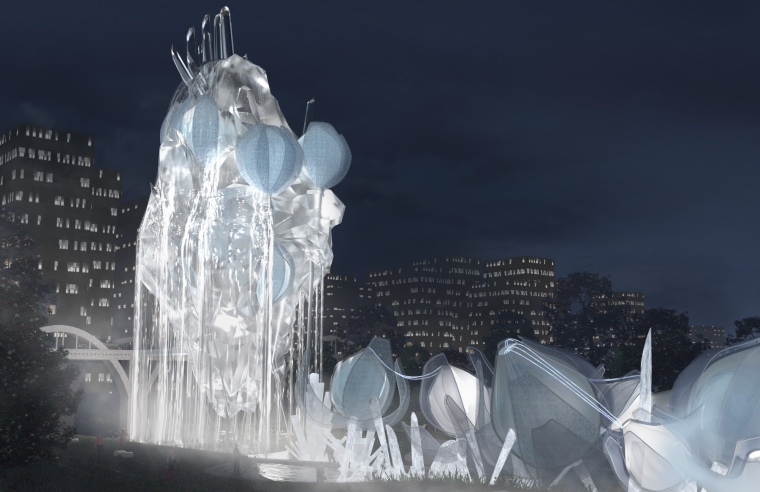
672, 348
366, 322
618, 366
36, 380
508, 325
458, 359
581, 318
413, 358
746, 329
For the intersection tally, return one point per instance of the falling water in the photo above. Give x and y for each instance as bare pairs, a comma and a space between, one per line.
231, 256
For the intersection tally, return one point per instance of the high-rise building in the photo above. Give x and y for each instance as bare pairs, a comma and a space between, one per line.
520, 285
70, 207
343, 294
630, 303
130, 217
49, 181
715, 336
427, 298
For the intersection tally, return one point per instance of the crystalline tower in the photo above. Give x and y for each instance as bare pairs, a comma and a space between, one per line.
231, 255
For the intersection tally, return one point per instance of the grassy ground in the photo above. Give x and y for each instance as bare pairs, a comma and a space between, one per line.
78, 469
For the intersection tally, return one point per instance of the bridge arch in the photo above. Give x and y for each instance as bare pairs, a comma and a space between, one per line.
98, 351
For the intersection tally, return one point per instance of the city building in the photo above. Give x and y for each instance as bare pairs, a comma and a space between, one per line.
343, 294
520, 285
70, 207
130, 217
715, 336
631, 303
427, 298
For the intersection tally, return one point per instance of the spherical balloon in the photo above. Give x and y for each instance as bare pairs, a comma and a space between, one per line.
269, 158
326, 154
203, 130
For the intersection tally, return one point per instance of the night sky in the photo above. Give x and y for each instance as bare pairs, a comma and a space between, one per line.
615, 137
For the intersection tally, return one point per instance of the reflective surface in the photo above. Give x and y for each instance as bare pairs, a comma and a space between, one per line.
231, 255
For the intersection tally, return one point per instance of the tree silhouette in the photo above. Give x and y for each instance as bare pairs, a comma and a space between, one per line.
581, 318
366, 322
672, 348
413, 358
746, 329
508, 325
36, 380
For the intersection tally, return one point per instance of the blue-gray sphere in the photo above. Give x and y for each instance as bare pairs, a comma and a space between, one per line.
203, 132
326, 154
269, 158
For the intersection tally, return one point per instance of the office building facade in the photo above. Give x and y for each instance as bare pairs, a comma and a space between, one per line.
48, 180
70, 207
343, 294
427, 298
630, 303
521, 285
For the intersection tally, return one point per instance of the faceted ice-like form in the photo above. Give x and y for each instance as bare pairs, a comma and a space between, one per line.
503, 454
645, 392
540, 396
326, 154
174, 117
222, 268
269, 158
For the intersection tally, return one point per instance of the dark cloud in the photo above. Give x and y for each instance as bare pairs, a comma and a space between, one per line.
620, 138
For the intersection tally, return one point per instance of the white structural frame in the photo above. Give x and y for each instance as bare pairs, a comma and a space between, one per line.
98, 351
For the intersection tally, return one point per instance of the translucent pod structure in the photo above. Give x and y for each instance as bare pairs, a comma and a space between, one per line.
715, 414
705, 433
548, 401
367, 375
449, 397
232, 251
727, 395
